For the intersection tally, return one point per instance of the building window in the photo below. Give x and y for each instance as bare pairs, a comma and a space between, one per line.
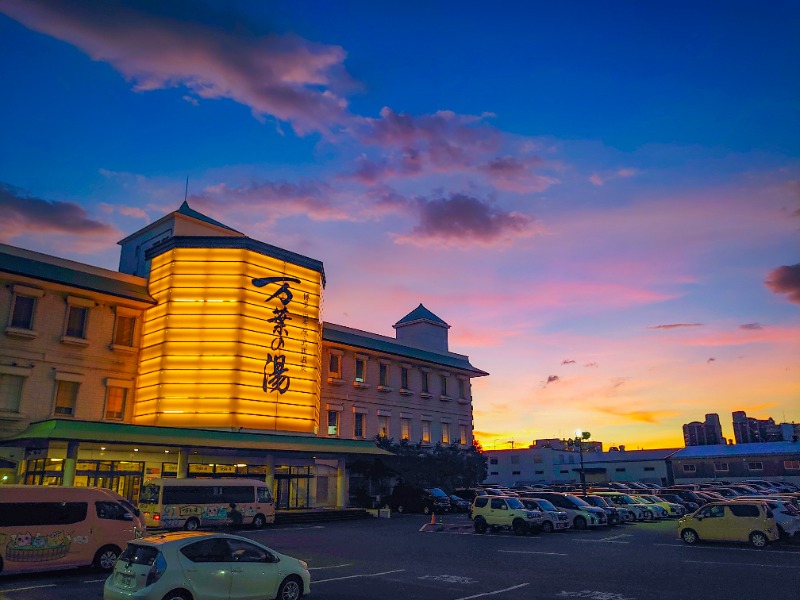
426, 432
123, 331
384, 375
361, 370
649, 468
689, 468
404, 378
563, 471
22, 313
383, 426
76, 322
115, 403
516, 472
445, 433
719, 466
333, 422
462, 435
538, 472
462, 388
493, 473
515, 459
335, 366
793, 465
10, 392
492, 461
66, 398
755, 466
405, 429
358, 429
537, 458
620, 469
424, 382
444, 385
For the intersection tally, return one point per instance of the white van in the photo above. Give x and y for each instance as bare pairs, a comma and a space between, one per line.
50, 527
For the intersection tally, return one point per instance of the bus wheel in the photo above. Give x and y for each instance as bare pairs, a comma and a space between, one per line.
191, 524
259, 521
105, 558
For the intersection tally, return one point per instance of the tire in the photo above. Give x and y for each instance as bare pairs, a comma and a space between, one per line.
105, 558
547, 527
759, 540
690, 536
191, 524
579, 523
480, 525
259, 521
177, 595
291, 588
519, 527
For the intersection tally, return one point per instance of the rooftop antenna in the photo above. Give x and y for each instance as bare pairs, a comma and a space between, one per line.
186, 192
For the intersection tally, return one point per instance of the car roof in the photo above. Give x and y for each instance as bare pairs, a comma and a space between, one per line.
160, 539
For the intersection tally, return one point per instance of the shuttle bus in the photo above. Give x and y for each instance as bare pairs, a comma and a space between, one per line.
193, 503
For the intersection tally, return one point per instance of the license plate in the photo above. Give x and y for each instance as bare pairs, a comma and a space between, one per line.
125, 580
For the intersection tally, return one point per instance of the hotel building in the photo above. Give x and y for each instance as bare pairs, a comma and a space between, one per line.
206, 356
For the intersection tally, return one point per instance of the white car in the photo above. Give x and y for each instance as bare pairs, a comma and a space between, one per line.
191, 564
785, 513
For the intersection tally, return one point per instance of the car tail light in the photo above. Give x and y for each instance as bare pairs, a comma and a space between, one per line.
156, 517
157, 570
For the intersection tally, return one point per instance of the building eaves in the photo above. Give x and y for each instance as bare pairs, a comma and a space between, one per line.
338, 334
28, 264
734, 450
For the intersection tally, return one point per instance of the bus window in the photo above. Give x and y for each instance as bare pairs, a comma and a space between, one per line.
237, 493
263, 495
149, 494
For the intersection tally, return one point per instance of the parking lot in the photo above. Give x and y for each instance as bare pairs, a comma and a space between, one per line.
404, 558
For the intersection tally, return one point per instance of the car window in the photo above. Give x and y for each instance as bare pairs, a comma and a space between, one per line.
481, 501
499, 503
263, 495
112, 510
242, 551
205, 551
744, 510
139, 555
514, 503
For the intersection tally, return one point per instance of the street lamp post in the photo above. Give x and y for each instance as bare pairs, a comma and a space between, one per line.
580, 438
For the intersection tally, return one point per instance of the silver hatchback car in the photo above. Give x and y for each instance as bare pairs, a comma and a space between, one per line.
204, 566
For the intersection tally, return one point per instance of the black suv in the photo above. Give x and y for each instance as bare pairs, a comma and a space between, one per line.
425, 500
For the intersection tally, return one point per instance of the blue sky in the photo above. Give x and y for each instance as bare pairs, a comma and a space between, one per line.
602, 199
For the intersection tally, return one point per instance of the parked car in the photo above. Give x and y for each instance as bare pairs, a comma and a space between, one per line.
207, 565
731, 521
581, 514
620, 499
612, 514
786, 515
553, 519
673, 509
689, 506
498, 512
469, 494
459, 504
685, 493
412, 499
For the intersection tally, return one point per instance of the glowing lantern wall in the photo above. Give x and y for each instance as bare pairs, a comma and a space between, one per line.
234, 342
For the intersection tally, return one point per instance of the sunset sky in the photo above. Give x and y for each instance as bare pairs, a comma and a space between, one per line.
601, 198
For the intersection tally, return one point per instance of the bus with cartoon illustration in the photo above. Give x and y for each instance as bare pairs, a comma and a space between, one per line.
193, 503
45, 528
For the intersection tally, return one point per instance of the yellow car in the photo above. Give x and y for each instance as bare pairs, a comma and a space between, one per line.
738, 521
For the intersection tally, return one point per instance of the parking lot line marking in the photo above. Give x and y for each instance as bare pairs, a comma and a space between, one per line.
360, 575
736, 564
94, 580
532, 552
330, 567
516, 587
603, 541
32, 587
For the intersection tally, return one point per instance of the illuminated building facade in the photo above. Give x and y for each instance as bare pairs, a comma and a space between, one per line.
206, 356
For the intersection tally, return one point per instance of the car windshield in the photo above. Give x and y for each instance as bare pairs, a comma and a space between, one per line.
438, 493
514, 503
149, 494
546, 505
625, 499
139, 555
577, 500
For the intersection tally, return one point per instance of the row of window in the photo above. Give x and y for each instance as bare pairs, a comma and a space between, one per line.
22, 320
360, 429
751, 466
66, 397
385, 381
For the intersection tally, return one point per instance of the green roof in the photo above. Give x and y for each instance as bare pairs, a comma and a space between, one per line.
339, 334
421, 314
94, 431
28, 265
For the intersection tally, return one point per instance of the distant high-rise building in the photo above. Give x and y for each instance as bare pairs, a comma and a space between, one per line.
747, 430
708, 433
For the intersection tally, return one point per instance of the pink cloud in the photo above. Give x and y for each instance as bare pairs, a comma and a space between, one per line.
462, 220
676, 326
24, 215
624, 173
785, 280
285, 76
